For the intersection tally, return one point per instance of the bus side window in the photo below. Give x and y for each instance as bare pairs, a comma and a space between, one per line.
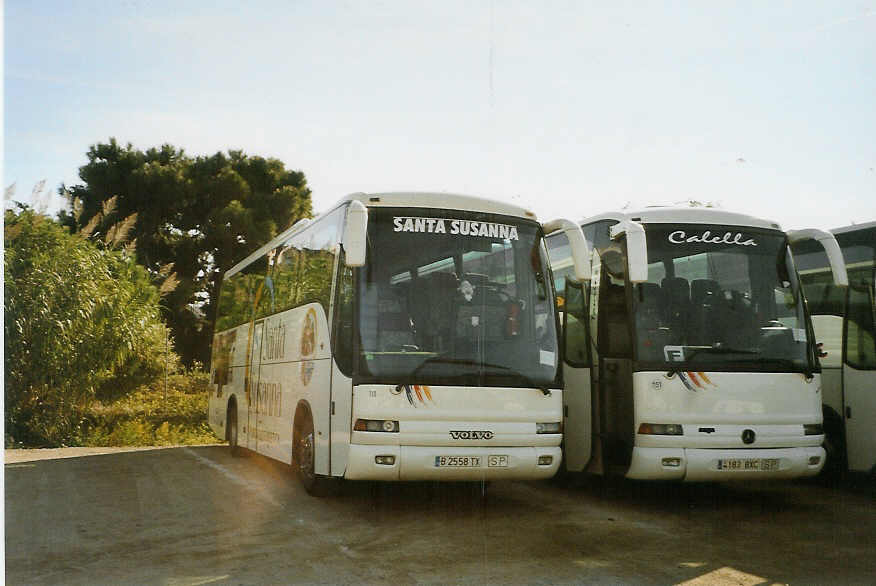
304, 263
344, 325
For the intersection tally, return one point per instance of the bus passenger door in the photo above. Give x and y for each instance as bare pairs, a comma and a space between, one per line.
251, 382
342, 368
614, 380
577, 414
859, 370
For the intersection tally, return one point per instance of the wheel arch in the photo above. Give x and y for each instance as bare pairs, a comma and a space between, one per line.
302, 410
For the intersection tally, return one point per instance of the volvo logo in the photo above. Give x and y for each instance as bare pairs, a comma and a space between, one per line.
748, 436
471, 435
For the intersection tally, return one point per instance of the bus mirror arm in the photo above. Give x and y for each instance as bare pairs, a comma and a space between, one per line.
637, 251
355, 234
577, 244
831, 248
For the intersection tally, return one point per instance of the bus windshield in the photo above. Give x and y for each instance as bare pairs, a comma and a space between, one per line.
452, 297
720, 298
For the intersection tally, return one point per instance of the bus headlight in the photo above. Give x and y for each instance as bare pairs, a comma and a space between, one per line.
376, 425
813, 429
660, 429
552, 427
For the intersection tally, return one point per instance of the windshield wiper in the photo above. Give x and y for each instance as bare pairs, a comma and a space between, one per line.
792, 365
481, 365
691, 351
716, 350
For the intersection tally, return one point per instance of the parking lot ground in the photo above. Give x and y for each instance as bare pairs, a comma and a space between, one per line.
196, 515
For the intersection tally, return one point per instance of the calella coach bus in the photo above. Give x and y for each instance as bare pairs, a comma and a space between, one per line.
397, 336
689, 354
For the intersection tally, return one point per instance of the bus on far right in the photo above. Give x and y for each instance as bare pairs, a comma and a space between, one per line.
844, 320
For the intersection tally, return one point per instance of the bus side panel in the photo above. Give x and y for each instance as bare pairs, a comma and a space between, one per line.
235, 386
295, 368
860, 397
216, 413
274, 398
254, 352
312, 374
271, 406
222, 381
341, 420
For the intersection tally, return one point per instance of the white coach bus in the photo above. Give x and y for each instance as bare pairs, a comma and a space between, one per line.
689, 354
398, 336
845, 327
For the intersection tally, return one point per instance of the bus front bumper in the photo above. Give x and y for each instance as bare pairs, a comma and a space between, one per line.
451, 463
696, 465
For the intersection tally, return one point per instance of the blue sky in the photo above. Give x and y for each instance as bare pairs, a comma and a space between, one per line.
568, 108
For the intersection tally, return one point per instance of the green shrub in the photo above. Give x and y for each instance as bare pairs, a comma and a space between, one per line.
81, 323
148, 417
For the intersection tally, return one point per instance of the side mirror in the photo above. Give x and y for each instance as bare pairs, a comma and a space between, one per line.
577, 245
831, 248
356, 234
637, 249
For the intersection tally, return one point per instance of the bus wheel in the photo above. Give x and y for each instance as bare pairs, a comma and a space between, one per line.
305, 457
231, 431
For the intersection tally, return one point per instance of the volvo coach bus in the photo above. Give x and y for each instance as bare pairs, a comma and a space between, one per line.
396, 337
689, 354
845, 326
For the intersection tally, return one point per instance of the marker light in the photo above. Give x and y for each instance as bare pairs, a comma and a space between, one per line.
376, 425
552, 427
813, 429
671, 462
814, 460
660, 429
545, 460
384, 460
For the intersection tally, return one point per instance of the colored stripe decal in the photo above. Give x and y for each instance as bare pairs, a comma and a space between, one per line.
684, 380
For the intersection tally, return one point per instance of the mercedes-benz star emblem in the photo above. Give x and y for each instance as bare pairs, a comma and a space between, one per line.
748, 436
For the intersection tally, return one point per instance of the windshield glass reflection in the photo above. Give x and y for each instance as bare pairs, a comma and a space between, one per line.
717, 297
449, 297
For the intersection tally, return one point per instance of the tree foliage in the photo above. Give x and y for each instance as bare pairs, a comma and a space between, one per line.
82, 322
203, 214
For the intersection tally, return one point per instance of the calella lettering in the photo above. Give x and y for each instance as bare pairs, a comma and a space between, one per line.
737, 239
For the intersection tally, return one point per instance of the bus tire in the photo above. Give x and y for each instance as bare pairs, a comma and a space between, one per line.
305, 454
231, 430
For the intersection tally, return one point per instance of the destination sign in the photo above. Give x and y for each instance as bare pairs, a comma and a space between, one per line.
454, 227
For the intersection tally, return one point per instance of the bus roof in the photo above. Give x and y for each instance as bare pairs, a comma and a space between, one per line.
434, 200
412, 199
854, 228
685, 215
